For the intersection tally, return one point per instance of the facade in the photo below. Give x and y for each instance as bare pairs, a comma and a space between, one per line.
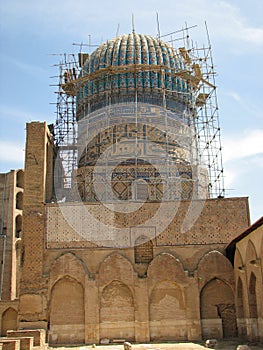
130, 244
246, 251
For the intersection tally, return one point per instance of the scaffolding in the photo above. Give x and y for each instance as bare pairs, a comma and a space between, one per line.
201, 100
65, 127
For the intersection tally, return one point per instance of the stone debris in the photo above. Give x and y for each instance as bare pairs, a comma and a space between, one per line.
105, 341
243, 347
211, 343
127, 346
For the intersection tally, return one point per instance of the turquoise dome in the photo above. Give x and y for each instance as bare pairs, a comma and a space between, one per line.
128, 64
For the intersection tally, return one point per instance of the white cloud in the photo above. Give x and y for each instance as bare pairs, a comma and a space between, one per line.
234, 95
20, 116
247, 144
82, 18
247, 102
11, 152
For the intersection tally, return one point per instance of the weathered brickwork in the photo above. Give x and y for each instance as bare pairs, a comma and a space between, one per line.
176, 283
10, 344
69, 226
37, 335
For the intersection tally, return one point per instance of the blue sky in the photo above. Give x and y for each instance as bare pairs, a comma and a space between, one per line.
30, 31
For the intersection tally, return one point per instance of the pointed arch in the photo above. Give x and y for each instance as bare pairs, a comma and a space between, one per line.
117, 311
116, 266
9, 320
251, 254
215, 265
217, 310
20, 178
68, 264
165, 267
238, 261
167, 312
67, 312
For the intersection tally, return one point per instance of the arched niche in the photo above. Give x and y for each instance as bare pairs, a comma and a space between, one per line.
167, 312
218, 316
20, 179
9, 320
117, 311
19, 200
18, 226
67, 315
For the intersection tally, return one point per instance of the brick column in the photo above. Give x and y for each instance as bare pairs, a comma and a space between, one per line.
192, 296
141, 310
92, 328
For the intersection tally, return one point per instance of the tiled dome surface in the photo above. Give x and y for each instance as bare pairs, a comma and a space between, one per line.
130, 50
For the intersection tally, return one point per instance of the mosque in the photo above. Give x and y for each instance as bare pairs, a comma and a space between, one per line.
118, 227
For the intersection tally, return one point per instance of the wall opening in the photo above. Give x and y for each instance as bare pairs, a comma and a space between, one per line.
20, 179
18, 226
9, 320
143, 250
19, 201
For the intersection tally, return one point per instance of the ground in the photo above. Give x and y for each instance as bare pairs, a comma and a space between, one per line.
222, 344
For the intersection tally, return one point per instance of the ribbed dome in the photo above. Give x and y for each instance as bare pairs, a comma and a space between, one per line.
133, 49
129, 64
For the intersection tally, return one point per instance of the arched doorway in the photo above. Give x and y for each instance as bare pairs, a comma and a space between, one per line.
218, 314
241, 322
167, 312
9, 320
67, 312
252, 299
117, 312
253, 311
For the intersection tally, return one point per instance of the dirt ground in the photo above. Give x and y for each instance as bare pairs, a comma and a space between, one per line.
222, 344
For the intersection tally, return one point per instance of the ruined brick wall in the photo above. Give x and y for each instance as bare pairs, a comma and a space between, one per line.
37, 187
11, 194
